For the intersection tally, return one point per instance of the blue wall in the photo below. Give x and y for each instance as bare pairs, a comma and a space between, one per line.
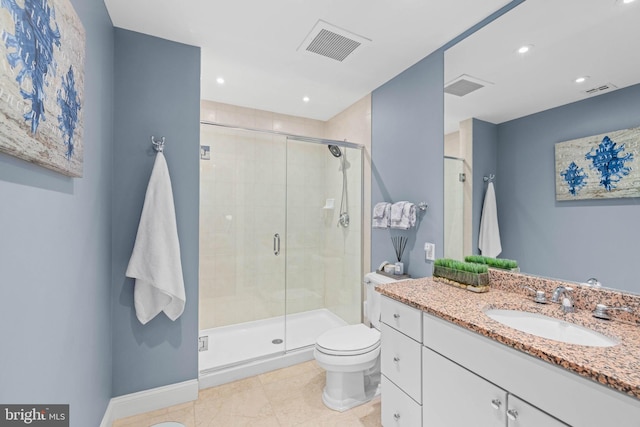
55, 258
485, 162
157, 92
573, 240
407, 149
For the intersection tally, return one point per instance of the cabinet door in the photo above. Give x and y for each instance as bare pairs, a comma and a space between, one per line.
453, 396
522, 414
398, 409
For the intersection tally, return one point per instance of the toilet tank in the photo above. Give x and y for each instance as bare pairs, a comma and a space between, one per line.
372, 304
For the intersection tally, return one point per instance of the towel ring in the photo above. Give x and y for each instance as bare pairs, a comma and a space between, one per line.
158, 145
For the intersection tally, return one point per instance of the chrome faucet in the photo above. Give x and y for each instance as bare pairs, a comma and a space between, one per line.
540, 297
567, 299
594, 283
602, 311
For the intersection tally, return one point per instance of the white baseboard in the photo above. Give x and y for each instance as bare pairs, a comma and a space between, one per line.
149, 400
108, 419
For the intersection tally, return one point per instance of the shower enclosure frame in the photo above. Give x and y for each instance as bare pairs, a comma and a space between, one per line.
287, 356
459, 250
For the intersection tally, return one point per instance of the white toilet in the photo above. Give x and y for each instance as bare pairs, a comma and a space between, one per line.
351, 355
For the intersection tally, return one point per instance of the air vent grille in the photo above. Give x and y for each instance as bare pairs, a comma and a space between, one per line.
599, 89
331, 42
332, 45
464, 85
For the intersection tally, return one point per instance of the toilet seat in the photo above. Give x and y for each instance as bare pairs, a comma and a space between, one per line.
351, 340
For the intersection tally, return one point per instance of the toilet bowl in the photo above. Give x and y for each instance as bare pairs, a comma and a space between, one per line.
351, 355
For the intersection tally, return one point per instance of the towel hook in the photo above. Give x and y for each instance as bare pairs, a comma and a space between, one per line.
422, 206
489, 178
158, 145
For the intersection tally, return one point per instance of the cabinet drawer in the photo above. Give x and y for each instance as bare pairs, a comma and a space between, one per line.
401, 317
521, 414
401, 361
398, 409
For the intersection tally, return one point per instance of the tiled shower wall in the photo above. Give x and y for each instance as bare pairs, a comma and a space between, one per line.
324, 261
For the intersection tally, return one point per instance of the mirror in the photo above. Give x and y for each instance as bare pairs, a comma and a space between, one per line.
519, 105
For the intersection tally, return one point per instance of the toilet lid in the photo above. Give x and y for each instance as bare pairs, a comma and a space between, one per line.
349, 340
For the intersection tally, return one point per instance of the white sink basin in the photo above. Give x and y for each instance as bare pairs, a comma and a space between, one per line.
551, 328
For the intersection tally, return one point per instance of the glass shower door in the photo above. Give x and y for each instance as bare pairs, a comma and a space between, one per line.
323, 265
242, 237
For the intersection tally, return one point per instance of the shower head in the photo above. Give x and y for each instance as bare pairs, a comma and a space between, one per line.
335, 150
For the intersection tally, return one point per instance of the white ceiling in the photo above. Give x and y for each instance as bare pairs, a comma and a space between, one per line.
253, 44
571, 38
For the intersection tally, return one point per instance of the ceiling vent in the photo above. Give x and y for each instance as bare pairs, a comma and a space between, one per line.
331, 41
599, 89
464, 85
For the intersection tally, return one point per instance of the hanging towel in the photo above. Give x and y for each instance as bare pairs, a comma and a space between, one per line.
396, 212
381, 217
403, 215
155, 262
489, 238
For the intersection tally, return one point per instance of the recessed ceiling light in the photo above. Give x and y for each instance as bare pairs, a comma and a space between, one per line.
306, 99
525, 48
627, 1
581, 79
220, 80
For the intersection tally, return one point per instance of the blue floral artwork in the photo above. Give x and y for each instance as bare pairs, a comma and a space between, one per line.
69, 103
575, 178
610, 156
606, 159
42, 49
31, 52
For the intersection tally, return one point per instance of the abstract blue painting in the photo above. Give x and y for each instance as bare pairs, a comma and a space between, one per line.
42, 49
599, 167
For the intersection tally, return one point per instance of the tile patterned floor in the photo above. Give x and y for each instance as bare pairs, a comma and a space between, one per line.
286, 397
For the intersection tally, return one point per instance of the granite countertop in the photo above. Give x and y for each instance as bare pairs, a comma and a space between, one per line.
617, 367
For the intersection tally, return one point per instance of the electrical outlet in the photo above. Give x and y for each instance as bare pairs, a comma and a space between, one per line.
430, 251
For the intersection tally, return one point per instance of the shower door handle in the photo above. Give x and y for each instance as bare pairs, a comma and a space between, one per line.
276, 244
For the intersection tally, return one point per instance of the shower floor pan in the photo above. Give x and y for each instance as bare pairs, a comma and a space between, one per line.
251, 348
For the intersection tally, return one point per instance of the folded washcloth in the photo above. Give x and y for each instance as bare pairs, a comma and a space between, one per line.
155, 262
381, 215
406, 218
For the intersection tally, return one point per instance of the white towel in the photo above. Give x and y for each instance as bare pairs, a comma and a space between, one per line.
381, 217
489, 238
155, 262
396, 211
403, 215
379, 210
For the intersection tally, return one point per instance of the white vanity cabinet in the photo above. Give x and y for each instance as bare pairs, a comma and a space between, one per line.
454, 396
401, 364
464, 372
